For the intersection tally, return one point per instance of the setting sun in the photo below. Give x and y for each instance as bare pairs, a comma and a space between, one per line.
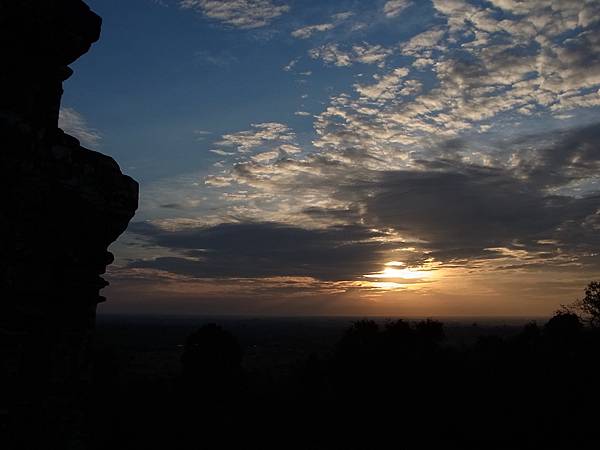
396, 270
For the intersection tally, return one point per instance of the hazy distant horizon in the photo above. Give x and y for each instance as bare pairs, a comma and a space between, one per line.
447, 320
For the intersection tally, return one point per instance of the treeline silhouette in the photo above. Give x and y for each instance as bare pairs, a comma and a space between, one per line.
397, 384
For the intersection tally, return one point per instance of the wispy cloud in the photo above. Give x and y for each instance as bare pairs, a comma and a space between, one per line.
73, 123
290, 66
245, 14
364, 53
308, 31
261, 133
393, 8
222, 59
340, 17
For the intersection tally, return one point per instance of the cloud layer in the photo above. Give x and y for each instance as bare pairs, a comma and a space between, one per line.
245, 14
265, 250
451, 149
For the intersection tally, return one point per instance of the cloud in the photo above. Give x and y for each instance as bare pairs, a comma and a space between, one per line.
73, 123
589, 14
261, 133
331, 54
244, 14
222, 59
339, 17
448, 208
436, 149
289, 66
423, 42
463, 211
308, 31
393, 8
263, 250
265, 156
386, 87
561, 157
363, 53
221, 152
370, 54
574, 65
487, 69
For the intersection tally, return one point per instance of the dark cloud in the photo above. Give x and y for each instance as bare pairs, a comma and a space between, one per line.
577, 63
343, 215
258, 250
562, 156
461, 213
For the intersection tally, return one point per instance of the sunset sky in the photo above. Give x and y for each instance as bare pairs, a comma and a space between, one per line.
348, 157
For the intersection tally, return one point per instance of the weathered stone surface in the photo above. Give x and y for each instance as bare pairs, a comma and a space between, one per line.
62, 206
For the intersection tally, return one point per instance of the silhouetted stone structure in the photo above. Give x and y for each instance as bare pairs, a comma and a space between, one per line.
62, 206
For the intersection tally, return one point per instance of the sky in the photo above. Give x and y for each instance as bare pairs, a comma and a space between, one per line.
300, 157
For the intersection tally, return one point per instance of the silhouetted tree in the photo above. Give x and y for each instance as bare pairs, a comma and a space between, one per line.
361, 337
589, 305
564, 326
528, 338
399, 336
430, 331
398, 329
358, 354
530, 332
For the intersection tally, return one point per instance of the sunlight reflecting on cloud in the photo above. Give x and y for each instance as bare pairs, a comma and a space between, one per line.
466, 149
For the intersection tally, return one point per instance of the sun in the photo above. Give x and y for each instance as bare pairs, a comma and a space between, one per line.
392, 270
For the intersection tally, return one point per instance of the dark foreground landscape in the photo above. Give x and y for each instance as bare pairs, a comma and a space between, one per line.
326, 383
329, 383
